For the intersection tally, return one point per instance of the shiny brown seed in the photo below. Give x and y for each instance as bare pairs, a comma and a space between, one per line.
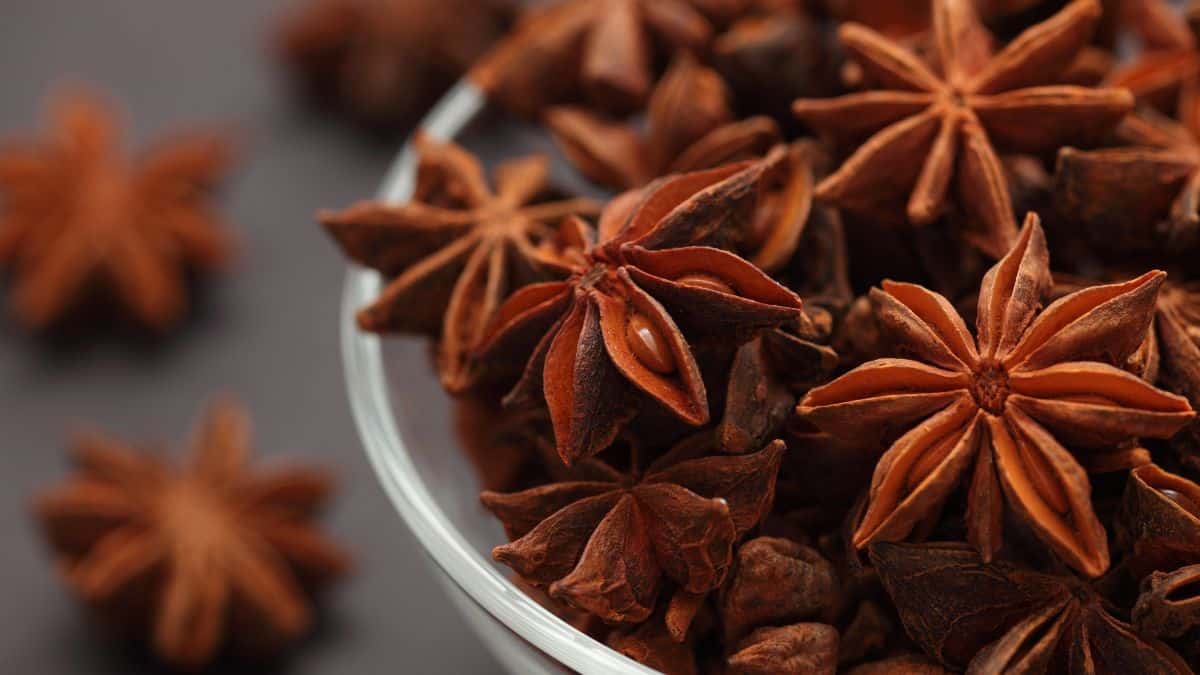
648, 345
1182, 500
705, 281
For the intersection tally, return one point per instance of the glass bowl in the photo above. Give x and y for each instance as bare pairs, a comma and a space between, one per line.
405, 420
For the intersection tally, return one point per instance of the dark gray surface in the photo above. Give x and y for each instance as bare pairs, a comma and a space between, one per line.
267, 331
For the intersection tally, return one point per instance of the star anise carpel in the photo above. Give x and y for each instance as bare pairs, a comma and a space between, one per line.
1158, 527
456, 251
1000, 617
635, 299
204, 554
689, 127
601, 52
931, 128
83, 223
1002, 405
607, 542
1153, 180
385, 61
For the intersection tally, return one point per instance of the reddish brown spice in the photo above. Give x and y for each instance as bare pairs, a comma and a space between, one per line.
620, 319
81, 220
931, 129
998, 405
195, 552
456, 251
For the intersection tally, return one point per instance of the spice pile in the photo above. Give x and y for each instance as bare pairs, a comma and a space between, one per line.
881, 356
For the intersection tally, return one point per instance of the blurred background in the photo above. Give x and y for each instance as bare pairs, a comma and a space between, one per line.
266, 331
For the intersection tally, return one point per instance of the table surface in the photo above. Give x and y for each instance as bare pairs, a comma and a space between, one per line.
266, 331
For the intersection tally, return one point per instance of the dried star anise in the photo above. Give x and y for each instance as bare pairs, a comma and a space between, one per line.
456, 251
605, 542
805, 243
598, 51
1159, 528
617, 323
775, 582
1003, 618
689, 127
934, 127
201, 555
81, 220
771, 56
998, 405
797, 649
386, 61
1159, 522
1143, 197
1177, 328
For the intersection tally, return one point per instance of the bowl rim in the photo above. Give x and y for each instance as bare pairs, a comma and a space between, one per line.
367, 388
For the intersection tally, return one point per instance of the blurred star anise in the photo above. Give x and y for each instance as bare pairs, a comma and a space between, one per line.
386, 61
998, 405
82, 220
201, 555
689, 127
602, 52
1003, 618
617, 323
606, 541
937, 127
456, 251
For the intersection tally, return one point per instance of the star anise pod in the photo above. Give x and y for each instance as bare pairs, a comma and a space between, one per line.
1177, 327
1002, 618
934, 127
1004, 402
776, 582
1159, 528
689, 127
386, 61
598, 51
773, 55
805, 243
606, 542
206, 553
620, 321
81, 220
1154, 184
456, 251
796, 649
649, 644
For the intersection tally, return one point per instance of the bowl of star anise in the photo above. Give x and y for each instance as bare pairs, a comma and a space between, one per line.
753, 355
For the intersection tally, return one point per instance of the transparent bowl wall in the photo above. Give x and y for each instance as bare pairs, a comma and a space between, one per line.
405, 422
